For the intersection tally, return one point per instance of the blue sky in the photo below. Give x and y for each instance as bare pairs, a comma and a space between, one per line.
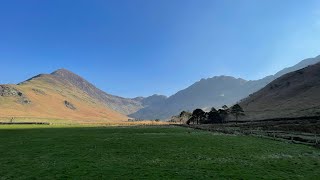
142, 47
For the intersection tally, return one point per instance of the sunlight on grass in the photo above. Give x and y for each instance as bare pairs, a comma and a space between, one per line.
149, 152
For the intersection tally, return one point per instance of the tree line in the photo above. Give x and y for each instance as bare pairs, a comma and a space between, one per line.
214, 116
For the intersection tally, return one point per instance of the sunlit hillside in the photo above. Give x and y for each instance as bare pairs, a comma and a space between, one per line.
46, 97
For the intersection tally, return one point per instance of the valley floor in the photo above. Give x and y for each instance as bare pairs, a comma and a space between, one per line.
162, 152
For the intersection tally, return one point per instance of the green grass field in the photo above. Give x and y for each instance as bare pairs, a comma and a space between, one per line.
57, 152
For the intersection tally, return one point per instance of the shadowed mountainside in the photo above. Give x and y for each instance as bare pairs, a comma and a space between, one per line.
151, 100
204, 93
295, 94
212, 92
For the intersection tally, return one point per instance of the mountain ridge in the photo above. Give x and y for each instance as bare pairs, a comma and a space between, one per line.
46, 96
293, 94
205, 93
213, 92
117, 103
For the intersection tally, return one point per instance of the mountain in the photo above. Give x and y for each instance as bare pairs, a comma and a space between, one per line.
295, 94
62, 95
204, 93
212, 92
151, 100
256, 85
65, 95
119, 104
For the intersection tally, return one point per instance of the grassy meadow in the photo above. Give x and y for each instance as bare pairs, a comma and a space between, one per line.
140, 152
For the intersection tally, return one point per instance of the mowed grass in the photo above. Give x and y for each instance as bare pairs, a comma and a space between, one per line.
63, 152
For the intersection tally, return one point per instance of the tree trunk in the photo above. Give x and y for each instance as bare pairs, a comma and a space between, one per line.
236, 119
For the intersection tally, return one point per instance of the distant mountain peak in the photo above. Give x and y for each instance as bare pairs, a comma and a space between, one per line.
223, 77
63, 71
71, 77
158, 95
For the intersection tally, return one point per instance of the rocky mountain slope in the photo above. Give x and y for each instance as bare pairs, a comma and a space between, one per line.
212, 92
60, 95
119, 104
295, 94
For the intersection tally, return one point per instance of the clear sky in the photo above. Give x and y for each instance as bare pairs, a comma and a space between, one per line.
141, 47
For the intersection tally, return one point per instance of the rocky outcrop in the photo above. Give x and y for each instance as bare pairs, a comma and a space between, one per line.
9, 91
69, 105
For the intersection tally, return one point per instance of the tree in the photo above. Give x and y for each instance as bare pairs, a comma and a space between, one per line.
183, 117
204, 118
214, 116
213, 110
237, 111
225, 107
190, 120
183, 113
198, 115
223, 114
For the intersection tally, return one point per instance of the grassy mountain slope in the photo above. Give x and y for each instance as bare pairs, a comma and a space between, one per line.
48, 96
294, 94
119, 104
